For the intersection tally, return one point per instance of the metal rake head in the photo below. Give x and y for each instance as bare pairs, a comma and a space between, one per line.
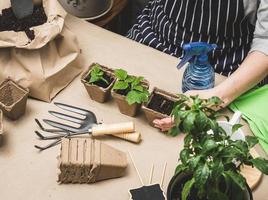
85, 123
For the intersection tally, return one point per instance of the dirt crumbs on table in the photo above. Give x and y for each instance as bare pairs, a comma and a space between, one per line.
161, 104
9, 22
83, 160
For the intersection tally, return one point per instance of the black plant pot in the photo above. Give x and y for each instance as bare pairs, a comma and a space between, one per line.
177, 182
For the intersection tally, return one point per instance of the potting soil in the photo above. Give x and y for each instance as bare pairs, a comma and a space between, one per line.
161, 104
9, 22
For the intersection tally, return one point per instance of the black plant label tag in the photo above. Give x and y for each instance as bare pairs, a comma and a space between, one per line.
150, 192
22, 8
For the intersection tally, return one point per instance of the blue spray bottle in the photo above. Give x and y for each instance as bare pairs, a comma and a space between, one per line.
199, 74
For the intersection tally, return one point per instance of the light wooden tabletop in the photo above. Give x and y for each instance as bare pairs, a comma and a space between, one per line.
28, 174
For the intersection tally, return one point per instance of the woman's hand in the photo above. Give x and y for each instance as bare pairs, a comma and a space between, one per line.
167, 123
164, 124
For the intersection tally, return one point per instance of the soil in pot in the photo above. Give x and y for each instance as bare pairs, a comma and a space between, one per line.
161, 104
9, 22
177, 183
12, 99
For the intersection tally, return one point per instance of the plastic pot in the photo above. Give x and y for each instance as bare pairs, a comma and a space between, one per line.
177, 182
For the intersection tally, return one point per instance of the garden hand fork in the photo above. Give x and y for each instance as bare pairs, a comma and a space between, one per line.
88, 124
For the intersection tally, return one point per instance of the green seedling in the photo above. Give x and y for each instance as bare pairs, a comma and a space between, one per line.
97, 75
136, 92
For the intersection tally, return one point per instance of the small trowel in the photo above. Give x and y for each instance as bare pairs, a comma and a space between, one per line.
22, 8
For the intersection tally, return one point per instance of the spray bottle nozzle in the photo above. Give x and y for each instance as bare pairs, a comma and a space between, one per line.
196, 49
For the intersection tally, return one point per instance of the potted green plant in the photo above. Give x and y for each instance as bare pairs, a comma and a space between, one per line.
98, 81
209, 159
160, 105
129, 92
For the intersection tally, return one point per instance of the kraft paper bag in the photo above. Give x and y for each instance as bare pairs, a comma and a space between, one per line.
46, 64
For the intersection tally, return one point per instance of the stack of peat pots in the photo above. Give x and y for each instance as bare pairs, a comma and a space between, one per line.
160, 102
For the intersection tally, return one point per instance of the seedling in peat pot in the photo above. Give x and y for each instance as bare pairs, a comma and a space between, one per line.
130, 92
98, 81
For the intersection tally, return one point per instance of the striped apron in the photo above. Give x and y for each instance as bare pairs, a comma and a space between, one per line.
167, 24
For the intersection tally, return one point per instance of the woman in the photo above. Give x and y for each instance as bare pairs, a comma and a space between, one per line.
238, 27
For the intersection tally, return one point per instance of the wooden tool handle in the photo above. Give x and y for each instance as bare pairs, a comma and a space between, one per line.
111, 129
132, 137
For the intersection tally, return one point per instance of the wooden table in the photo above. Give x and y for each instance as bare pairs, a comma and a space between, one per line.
28, 174
107, 20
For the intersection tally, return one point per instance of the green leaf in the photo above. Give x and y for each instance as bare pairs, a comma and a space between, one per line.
188, 123
187, 140
193, 162
138, 88
96, 74
93, 79
184, 156
121, 74
261, 164
216, 195
237, 178
174, 131
136, 97
180, 168
252, 141
201, 175
120, 85
209, 145
236, 127
137, 81
133, 97
104, 80
217, 168
187, 189
201, 120
130, 79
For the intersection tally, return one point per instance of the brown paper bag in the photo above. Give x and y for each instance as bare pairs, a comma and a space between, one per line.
45, 65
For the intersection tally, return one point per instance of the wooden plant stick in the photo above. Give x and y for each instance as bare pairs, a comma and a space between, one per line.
132, 160
163, 175
151, 175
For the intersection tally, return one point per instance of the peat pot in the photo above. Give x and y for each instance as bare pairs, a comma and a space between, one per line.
99, 91
177, 182
89, 9
124, 107
13, 99
159, 106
